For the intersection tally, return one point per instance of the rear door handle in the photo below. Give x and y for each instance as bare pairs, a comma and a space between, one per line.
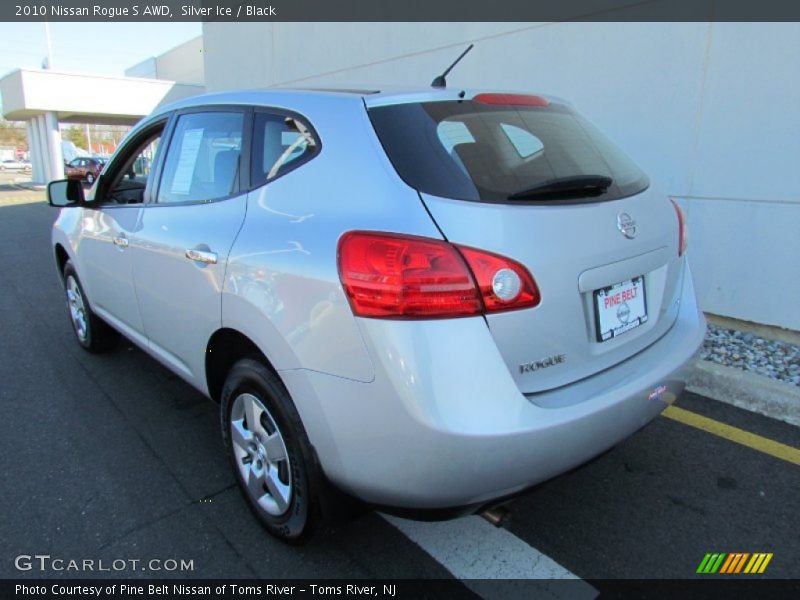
203, 256
121, 241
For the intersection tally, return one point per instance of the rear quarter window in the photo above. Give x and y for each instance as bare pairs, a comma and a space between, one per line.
281, 143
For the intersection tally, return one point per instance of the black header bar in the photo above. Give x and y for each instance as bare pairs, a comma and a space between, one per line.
400, 10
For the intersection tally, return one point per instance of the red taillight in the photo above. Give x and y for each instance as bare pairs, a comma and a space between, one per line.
398, 276
504, 284
388, 275
681, 228
511, 99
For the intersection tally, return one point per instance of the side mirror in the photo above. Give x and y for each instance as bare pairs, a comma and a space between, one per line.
65, 192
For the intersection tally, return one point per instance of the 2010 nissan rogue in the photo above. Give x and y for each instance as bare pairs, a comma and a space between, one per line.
426, 299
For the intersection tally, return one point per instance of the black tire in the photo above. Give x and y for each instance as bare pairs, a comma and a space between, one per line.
98, 336
89, 178
297, 522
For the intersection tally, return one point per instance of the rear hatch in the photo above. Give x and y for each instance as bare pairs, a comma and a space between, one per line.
530, 179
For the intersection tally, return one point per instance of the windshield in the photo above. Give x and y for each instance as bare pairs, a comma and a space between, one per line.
495, 152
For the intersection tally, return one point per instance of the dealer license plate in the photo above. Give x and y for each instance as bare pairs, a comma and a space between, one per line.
619, 308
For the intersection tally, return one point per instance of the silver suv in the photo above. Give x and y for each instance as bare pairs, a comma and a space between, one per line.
427, 300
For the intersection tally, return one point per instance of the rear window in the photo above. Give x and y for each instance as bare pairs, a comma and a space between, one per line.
489, 152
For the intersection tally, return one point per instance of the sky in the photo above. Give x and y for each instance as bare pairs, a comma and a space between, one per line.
101, 48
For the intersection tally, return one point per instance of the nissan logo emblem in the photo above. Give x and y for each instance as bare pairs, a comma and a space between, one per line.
626, 225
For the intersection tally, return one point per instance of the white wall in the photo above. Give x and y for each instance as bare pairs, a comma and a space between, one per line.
147, 69
182, 64
710, 111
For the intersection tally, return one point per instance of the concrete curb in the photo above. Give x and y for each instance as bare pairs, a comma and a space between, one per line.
746, 390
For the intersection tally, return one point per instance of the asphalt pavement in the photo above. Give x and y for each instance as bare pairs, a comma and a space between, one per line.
112, 456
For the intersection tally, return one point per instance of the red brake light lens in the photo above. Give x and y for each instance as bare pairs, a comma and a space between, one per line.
389, 275
682, 235
511, 99
504, 283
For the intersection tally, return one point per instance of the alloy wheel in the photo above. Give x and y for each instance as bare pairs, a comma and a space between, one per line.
77, 308
261, 455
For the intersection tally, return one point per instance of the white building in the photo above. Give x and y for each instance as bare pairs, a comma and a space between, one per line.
710, 110
46, 98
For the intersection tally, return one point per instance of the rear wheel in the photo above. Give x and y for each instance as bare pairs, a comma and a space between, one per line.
269, 450
90, 178
93, 333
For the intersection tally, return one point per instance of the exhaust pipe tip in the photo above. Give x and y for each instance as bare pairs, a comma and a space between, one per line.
496, 515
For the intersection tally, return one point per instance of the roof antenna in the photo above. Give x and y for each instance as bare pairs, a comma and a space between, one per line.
440, 81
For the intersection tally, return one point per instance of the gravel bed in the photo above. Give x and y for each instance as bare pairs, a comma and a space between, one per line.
749, 352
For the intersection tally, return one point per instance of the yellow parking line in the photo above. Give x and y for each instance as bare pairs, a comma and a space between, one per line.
734, 434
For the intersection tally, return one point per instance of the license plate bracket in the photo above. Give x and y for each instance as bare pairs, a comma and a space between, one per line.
619, 308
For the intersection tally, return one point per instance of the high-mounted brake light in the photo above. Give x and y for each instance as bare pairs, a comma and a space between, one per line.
511, 99
682, 233
387, 275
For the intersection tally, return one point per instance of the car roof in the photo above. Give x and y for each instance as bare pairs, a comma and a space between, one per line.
371, 97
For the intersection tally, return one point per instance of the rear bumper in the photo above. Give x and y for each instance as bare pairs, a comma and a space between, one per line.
443, 424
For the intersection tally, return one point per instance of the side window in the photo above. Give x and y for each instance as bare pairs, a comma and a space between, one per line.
142, 163
129, 177
202, 161
280, 143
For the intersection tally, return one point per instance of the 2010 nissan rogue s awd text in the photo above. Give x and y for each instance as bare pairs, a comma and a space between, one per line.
428, 300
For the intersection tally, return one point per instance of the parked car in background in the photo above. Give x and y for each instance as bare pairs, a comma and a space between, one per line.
85, 168
430, 300
15, 165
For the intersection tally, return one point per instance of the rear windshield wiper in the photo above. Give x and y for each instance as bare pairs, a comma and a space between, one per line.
577, 185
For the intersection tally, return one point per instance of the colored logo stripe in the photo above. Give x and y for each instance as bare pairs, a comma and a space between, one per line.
758, 563
710, 563
734, 562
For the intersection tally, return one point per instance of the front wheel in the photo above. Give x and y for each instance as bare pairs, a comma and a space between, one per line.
92, 332
269, 450
89, 178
